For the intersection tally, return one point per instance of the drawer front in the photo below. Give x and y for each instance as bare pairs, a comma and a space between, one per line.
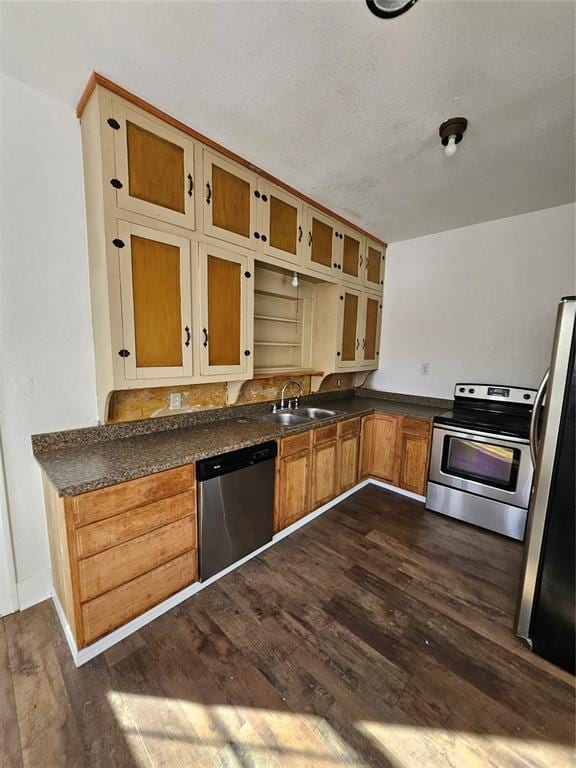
124, 603
416, 426
97, 505
294, 444
349, 427
112, 531
322, 434
107, 570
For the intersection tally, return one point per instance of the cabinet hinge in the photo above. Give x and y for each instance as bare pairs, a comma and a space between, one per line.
113, 123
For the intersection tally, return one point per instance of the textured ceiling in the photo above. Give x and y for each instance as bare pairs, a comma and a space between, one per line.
338, 103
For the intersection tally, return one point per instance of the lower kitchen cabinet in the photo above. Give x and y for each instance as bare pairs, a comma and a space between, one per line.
397, 451
414, 453
348, 454
386, 432
121, 550
324, 467
366, 442
292, 480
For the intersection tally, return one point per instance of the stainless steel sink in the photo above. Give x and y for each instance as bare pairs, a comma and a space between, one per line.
315, 413
286, 418
297, 416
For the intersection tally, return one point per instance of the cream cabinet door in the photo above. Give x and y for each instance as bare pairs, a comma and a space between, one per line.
156, 295
374, 263
230, 203
348, 354
321, 245
351, 256
282, 227
371, 327
154, 168
226, 310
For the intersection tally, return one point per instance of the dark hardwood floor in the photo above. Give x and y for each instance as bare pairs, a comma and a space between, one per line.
378, 635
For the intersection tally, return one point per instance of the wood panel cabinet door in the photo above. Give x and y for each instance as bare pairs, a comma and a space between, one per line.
282, 227
227, 295
366, 442
351, 256
155, 286
348, 332
371, 328
414, 463
154, 168
292, 488
348, 456
323, 473
374, 262
230, 211
322, 242
386, 436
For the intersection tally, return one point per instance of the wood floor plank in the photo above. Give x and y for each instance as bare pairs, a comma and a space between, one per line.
377, 635
9, 728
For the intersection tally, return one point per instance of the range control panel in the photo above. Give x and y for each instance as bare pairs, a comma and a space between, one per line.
494, 392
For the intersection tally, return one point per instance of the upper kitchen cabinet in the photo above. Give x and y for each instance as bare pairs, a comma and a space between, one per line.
348, 354
371, 323
230, 210
322, 240
351, 255
154, 167
156, 298
226, 316
375, 256
282, 227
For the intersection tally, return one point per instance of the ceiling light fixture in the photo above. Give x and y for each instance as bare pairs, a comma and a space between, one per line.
388, 9
451, 133
295, 280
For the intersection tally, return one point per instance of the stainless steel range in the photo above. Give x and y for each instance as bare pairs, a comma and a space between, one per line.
480, 465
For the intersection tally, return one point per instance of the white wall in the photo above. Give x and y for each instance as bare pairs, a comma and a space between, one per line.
477, 303
46, 349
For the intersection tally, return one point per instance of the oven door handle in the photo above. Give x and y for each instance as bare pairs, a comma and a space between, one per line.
535, 420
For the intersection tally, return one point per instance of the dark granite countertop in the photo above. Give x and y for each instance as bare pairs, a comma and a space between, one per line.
87, 466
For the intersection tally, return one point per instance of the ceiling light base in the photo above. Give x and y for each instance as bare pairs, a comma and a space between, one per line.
455, 126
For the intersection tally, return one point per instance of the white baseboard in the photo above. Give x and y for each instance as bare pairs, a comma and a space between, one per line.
91, 651
34, 589
395, 489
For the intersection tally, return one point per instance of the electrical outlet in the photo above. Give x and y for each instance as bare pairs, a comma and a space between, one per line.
338, 383
424, 369
175, 401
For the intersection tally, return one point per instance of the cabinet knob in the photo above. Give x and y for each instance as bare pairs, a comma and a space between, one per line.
118, 243
247, 274
264, 238
256, 193
116, 183
124, 353
113, 123
247, 352
264, 198
257, 235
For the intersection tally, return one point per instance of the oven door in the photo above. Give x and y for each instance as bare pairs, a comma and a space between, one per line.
495, 467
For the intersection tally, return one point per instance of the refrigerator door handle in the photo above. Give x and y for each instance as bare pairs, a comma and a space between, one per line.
535, 420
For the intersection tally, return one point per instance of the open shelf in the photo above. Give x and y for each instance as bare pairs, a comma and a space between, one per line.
274, 295
264, 373
278, 319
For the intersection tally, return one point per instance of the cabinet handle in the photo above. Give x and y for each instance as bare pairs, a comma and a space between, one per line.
187, 331
205, 342
357, 344
299, 234
360, 259
208, 192
309, 238
190, 185
363, 343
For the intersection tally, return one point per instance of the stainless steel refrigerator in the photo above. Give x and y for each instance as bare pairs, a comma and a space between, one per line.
546, 607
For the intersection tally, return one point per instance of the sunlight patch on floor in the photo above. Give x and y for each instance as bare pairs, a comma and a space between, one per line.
433, 747
186, 732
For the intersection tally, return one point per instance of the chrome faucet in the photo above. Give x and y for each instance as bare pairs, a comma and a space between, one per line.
283, 391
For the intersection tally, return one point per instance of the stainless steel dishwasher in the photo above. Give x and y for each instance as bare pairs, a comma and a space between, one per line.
236, 505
